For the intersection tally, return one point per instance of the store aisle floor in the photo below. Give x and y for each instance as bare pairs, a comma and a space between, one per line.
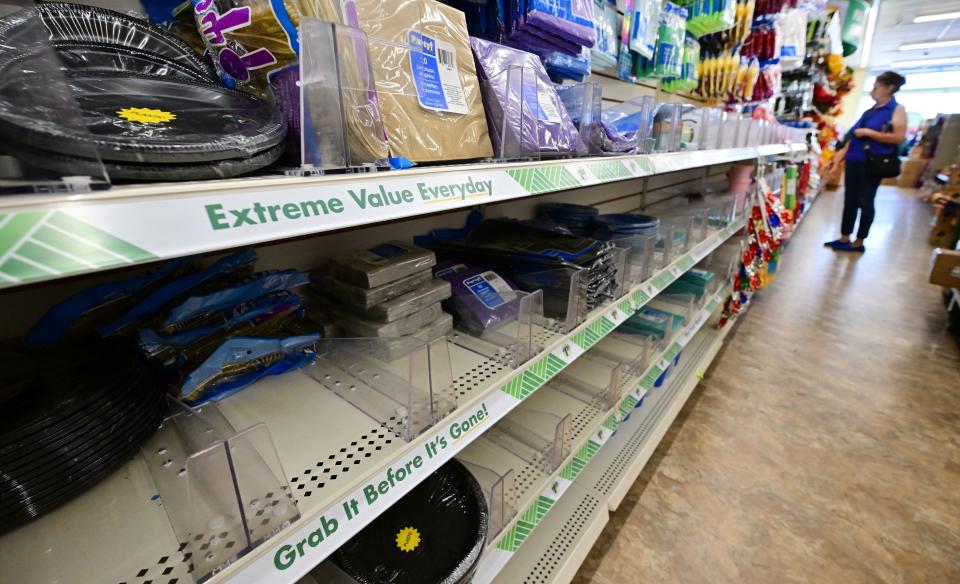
824, 445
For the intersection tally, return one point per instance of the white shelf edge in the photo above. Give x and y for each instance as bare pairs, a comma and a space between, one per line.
502, 394
48, 237
493, 563
528, 558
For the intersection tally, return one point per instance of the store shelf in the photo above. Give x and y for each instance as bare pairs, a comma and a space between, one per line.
617, 466
552, 490
555, 551
316, 434
49, 236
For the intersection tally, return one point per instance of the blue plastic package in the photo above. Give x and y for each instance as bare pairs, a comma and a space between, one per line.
154, 343
259, 285
240, 361
173, 290
51, 328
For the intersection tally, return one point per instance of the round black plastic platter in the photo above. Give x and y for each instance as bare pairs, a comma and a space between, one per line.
135, 118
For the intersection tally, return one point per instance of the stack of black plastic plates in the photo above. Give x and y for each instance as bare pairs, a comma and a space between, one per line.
577, 218
84, 89
67, 420
433, 535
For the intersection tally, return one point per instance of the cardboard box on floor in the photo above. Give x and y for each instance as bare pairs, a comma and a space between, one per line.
945, 268
910, 173
944, 230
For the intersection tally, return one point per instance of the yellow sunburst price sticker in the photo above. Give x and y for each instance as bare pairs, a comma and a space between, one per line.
145, 115
408, 539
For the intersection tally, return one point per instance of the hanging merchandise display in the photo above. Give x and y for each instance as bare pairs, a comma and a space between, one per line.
710, 17
668, 57
793, 47
433, 535
689, 78
606, 48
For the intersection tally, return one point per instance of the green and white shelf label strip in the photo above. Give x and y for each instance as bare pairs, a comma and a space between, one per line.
290, 555
508, 544
86, 233
496, 557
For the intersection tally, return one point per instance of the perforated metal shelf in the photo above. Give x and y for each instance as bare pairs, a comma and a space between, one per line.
620, 462
118, 532
554, 552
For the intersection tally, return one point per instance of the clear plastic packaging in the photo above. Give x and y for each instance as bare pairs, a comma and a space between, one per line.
240, 361
193, 309
435, 533
382, 264
666, 127
366, 298
68, 22
426, 79
644, 27
627, 126
605, 50
354, 326
691, 128
339, 111
481, 299
583, 101
668, 61
522, 105
420, 298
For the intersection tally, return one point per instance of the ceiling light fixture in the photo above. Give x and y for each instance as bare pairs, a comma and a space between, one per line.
936, 17
930, 45
868, 38
926, 62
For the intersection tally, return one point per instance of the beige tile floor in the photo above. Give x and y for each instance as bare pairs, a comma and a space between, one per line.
824, 444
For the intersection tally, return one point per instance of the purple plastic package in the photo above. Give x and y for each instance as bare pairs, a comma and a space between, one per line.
570, 19
482, 300
524, 112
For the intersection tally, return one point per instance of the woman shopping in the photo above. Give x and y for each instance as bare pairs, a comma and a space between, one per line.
873, 138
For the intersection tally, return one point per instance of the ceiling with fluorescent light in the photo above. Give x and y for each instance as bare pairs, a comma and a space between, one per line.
895, 27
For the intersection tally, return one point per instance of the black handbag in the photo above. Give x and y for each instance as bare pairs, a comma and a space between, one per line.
882, 166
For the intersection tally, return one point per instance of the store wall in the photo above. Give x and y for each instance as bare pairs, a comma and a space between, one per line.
851, 102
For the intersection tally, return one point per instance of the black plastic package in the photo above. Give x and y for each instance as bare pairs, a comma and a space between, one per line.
139, 119
381, 264
81, 23
433, 535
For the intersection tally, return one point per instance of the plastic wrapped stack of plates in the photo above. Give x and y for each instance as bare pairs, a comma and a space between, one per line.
623, 225
67, 420
577, 218
83, 85
434, 535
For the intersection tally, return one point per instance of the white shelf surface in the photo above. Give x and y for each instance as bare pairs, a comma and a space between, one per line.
555, 550
329, 450
536, 509
49, 236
